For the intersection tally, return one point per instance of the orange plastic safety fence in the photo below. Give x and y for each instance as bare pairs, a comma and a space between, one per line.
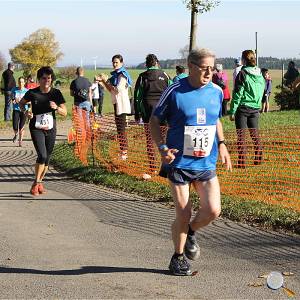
266, 163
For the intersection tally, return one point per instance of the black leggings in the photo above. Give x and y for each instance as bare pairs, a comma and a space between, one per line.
43, 141
18, 120
247, 117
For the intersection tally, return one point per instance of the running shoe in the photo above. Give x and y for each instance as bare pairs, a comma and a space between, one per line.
41, 188
179, 266
34, 189
15, 138
191, 248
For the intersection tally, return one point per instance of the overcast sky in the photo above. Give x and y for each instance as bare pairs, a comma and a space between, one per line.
135, 28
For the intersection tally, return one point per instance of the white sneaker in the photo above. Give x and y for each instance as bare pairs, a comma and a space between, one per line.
146, 176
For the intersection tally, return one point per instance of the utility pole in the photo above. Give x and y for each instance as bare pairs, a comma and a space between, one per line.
256, 53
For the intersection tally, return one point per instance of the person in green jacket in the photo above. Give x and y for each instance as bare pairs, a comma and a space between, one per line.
245, 106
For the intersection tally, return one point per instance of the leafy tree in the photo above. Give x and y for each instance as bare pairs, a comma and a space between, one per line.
67, 73
196, 7
2, 62
39, 49
184, 52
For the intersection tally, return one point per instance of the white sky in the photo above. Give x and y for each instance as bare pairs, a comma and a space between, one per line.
135, 28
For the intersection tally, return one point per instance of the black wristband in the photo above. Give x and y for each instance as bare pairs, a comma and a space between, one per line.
221, 142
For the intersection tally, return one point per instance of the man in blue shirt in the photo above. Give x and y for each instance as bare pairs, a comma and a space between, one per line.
192, 107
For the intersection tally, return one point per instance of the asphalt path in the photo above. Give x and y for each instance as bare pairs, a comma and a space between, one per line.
86, 241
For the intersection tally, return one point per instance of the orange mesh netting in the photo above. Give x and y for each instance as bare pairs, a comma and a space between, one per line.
266, 163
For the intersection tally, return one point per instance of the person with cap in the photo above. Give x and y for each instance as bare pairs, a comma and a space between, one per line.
180, 73
8, 82
221, 79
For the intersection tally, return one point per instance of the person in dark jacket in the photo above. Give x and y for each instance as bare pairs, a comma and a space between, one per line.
149, 87
245, 106
8, 82
291, 74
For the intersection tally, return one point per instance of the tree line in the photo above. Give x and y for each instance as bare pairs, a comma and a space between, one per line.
228, 63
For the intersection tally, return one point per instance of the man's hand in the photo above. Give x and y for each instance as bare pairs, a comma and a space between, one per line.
225, 157
168, 155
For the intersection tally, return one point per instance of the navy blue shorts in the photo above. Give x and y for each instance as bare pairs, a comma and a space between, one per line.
181, 176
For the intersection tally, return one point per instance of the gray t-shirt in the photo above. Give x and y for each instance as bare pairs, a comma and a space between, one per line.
80, 87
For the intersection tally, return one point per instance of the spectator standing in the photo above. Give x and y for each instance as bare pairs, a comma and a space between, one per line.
237, 69
245, 106
8, 82
30, 83
180, 73
291, 74
118, 85
95, 93
80, 89
267, 92
192, 108
221, 79
149, 87
19, 118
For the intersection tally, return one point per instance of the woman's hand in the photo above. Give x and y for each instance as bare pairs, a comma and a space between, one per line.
28, 114
53, 105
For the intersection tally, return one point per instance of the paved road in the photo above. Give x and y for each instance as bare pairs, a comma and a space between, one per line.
86, 241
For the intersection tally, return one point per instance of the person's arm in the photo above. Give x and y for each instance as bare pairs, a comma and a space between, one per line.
91, 95
237, 93
223, 152
138, 95
61, 109
107, 84
167, 155
2, 85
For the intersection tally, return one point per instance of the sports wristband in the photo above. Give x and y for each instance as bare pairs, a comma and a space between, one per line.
221, 142
163, 147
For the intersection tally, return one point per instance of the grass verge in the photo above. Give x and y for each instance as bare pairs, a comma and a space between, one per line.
240, 210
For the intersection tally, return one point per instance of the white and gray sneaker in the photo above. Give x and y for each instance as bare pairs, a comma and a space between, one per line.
191, 248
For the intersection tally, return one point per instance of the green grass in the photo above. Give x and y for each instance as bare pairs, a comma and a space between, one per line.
266, 121
236, 209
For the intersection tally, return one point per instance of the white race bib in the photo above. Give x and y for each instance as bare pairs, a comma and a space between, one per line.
198, 140
44, 121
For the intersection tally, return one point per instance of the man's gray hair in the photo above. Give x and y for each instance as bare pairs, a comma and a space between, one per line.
198, 54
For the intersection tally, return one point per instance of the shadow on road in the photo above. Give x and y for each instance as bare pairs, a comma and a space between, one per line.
83, 270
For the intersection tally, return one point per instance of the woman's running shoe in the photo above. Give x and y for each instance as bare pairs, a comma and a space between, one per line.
34, 189
41, 188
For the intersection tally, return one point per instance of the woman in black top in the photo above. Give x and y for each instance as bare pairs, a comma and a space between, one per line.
45, 101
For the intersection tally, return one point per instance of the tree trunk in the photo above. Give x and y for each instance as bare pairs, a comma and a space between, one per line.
193, 26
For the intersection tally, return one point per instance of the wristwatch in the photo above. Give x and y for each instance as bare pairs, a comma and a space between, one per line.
221, 142
163, 147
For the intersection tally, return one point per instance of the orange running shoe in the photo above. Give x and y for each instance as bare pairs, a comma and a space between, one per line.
41, 188
34, 189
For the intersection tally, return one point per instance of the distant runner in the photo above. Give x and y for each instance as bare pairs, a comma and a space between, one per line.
45, 102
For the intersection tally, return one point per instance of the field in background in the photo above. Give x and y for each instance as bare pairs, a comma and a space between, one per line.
267, 120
